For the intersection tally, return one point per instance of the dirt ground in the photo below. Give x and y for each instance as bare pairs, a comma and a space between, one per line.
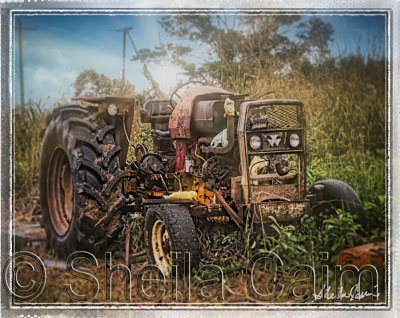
27, 225
139, 286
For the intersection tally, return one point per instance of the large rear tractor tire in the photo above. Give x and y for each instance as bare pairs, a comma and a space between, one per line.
79, 176
333, 194
170, 228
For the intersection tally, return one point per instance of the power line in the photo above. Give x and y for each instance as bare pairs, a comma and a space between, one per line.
125, 31
146, 71
20, 28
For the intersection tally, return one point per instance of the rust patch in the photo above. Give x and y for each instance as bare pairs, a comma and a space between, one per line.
236, 189
371, 253
60, 191
179, 123
284, 192
66, 185
281, 211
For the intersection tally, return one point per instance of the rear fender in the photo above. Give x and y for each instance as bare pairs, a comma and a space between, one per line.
123, 119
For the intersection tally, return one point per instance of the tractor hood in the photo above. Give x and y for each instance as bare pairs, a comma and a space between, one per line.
179, 123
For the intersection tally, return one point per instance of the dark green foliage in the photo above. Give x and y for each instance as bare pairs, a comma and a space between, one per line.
134, 222
90, 83
299, 243
346, 124
29, 121
237, 43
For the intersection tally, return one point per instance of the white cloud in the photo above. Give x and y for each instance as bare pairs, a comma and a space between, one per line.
52, 64
46, 56
45, 77
47, 84
50, 70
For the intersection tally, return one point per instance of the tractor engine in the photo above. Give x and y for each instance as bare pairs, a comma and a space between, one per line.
196, 138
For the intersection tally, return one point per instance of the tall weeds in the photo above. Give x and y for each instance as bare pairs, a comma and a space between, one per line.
344, 100
29, 121
345, 109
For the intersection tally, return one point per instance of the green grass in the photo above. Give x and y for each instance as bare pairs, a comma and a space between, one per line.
30, 120
345, 111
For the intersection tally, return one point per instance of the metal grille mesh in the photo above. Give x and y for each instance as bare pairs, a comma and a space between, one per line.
278, 116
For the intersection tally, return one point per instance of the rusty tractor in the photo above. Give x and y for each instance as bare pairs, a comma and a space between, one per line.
216, 156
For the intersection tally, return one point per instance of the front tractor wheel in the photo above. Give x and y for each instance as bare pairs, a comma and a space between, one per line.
169, 228
79, 176
335, 194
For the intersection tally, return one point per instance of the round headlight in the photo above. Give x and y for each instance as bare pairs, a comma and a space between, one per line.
112, 109
255, 142
294, 140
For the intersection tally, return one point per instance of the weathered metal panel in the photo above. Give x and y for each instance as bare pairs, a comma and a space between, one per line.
126, 108
124, 103
236, 189
281, 211
244, 152
287, 192
371, 253
179, 123
208, 118
180, 155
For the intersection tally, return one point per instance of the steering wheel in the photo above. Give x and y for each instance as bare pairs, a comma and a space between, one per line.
175, 92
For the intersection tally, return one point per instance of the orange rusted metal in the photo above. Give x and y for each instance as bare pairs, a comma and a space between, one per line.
228, 209
127, 245
371, 253
60, 191
179, 123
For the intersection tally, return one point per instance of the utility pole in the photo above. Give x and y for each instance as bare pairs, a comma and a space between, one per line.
125, 31
20, 28
146, 71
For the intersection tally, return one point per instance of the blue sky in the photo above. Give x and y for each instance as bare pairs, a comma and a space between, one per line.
64, 45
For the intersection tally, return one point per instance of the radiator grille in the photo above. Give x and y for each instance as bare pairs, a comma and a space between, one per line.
278, 116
